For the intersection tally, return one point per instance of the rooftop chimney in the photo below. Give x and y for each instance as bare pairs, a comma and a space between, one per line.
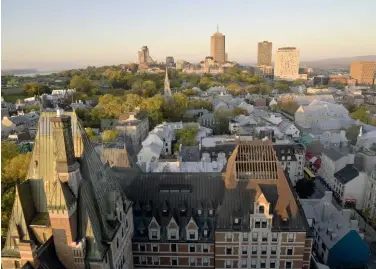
325, 212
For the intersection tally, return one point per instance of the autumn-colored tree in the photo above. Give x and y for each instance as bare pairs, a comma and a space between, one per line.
16, 169
240, 111
110, 135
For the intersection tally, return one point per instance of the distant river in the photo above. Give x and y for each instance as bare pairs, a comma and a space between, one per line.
41, 73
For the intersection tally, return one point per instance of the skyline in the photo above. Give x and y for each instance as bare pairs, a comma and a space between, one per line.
54, 35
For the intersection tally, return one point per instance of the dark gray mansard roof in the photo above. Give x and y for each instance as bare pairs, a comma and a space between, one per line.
152, 192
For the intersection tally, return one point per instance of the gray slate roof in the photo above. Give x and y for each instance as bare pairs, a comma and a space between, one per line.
333, 154
346, 174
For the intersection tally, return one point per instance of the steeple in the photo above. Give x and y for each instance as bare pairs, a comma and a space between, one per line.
217, 28
167, 90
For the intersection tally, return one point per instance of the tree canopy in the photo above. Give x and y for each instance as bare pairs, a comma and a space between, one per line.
81, 84
33, 88
186, 137
110, 135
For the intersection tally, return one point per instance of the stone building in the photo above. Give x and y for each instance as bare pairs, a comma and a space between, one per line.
69, 197
249, 219
73, 211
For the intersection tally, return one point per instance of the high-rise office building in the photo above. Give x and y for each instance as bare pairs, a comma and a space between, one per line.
264, 53
218, 48
170, 62
286, 64
363, 72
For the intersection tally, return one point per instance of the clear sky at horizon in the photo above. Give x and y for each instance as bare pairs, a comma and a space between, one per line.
58, 34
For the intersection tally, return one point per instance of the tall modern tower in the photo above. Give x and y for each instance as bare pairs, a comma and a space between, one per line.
264, 53
218, 48
286, 64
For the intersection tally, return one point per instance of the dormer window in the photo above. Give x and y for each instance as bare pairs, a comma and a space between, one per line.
192, 235
261, 209
211, 212
205, 232
199, 212
236, 221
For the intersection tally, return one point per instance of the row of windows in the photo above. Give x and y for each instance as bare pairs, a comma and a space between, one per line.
173, 248
261, 264
263, 250
174, 261
257, 237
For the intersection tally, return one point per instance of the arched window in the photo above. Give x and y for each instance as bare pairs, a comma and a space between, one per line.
261, 209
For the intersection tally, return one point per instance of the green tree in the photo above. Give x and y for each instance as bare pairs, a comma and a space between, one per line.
110, 135
7, 200
361, 114
153, 107
9, 150
240, 111
91, 134
16, 169
223, 116
352, 133
186, 137
81, 84
33, 88
289, 107
305, 188
173, 109
148, 88
131, 102
199, 104
282, 87
190, 92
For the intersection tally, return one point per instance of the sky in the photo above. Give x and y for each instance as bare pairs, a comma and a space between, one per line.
58, 34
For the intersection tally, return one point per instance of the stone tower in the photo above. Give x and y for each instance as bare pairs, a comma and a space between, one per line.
62, 203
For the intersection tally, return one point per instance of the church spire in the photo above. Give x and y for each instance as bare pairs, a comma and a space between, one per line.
167, 90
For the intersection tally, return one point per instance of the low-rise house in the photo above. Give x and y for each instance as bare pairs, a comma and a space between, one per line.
349, 186
329, 139
136, 128
288, 129
332, 161
337, 240
305, 100
242, 124
208, 120
20, 136
246, 106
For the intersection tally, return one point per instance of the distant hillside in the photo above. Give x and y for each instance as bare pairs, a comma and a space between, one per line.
18, 71
337, 62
